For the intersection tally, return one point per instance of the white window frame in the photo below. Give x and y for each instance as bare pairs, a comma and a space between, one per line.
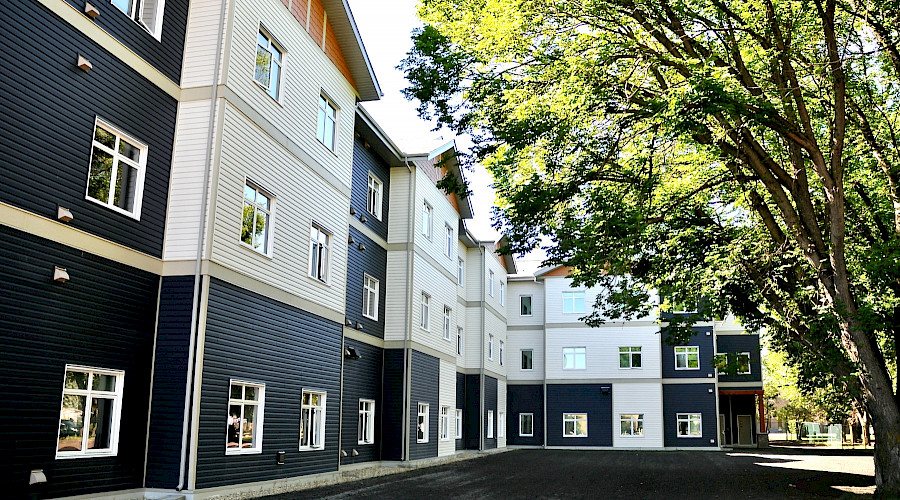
370, 297
687, 418
523, 351
460, 272
489, 434
502, 345
272, 89
260, 409
137, 11
630, 351
571, 301
530, 305
490, 347
459, 341
686, 351
522, 418
258, 208
117, 158
365, 427
425, 310
459, 423
448, 240
314, 433
422, 422
574, 418
427, 219
491, 283
374, 196
634, 420
502, 293
326, 121
319, 253
576, 353
749, 366
448, 316
501, 424
89, 394
445, 423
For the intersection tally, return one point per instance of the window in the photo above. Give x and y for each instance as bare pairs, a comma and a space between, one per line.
502, 293
526, 424
491, 283
743, 363
116, 172
245, 415
491, 347
257, 221
426, 311
688, 425
373, 199
573, 302
422, 424
370, 297
490, 424
527, 359
631, 425
427, 216
458, 423
312, 420
327, 122
318, 253
574, 358
448, 240
525, 305
268, 64
687, 358
90, 412
447, 314
445, 423
459, 337
575, 425
501, 425
460, 272
147, 13
366, 426
629, 357
501, 353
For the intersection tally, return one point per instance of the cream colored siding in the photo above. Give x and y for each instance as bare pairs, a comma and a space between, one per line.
517, 289
472, 346
496, 326
396, 295
501, 408
427, 279
301, 198
448, 398
554, 287
519, 340
201, 42
443, 214
398, 222
602, 351
474, 272
640, 398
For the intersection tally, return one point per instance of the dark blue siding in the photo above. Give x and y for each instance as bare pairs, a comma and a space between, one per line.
164, 54
169, 377
741, 343
425, 389
372, 261
392, 409
461, 405
365, 161
472, 413
579, 398
490, 404
733, 405
525, 399
689, 398
362, 380
104, 318
704, 340
46, 126
254, 338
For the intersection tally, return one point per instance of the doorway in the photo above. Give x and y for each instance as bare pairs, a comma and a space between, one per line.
745, 430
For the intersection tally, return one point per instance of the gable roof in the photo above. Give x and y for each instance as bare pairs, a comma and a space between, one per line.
347, 34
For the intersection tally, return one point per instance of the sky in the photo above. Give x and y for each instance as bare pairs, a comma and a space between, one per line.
385, 28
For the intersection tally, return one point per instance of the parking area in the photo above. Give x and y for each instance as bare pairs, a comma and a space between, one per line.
770, 473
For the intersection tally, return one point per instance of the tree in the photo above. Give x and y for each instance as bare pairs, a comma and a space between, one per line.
745, 151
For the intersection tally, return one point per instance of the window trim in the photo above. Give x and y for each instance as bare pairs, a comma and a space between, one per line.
574, 418
686, 350
458, 422
530, 306
490, 347
141, 168
444, 424
631, 352
378, 190
448, 321
427, 222
522, 351
749, 363
321, 431
425, 312
273, 43
502, 293
574, 294
116, 418
460, 272
137, 16
327, 266
575, 353
686, 417
448, 241
369, 432
501, 424
260, 405
422, 411
502, 345
370, 292
530, 415
270, 226
489, 428
323, 112
491, 282
459, 341
639, 418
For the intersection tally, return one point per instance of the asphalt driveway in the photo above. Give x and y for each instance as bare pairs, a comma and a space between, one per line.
771, 473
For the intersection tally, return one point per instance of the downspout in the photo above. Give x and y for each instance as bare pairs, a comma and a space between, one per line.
482, 411
201, 233
407, 353
719, 431
544, 333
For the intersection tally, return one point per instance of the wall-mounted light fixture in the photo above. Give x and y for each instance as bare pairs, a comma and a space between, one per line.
279, 458
350, 240
362, 218
37, 477
354, 453
343, 453
347, 322
604, 390
91, 11
350, 353
358, 325
361, 247
64, 214
710, 391
83, 63
352, 211
60, 274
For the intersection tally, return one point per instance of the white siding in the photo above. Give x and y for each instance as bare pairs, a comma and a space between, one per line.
474, 272
554, 286
501, 408
201, 42
398, 202
429, 280
602, 351
448, 398
517, 289
519, 340
643, 399
395, 301
495, 326
443, 214
301, 198
472, 341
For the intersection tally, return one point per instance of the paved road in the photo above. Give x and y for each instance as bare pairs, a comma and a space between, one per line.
551, 474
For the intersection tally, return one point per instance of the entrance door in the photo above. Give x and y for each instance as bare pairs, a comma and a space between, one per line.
745, 429
722, 441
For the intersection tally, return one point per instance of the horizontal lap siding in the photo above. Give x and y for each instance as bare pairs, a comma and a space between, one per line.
579, 398
392, 407
257, 339
704, 340
371, 261
643, 399
490, 404
461, 405
362, 380
690, 398
103, 318
741, 343
448, 398
525, 399
169, 379
425, 389
365, 161
471, 414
